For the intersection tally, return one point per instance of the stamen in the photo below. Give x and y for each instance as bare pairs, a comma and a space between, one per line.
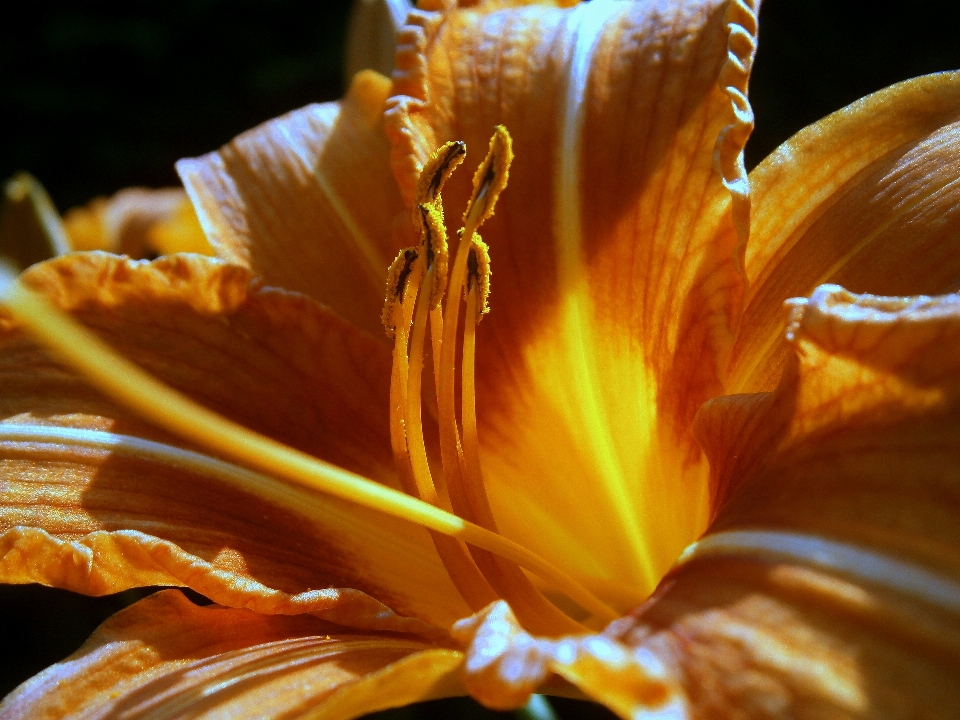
473, 475
463, 476
413, 416
435, 245
397, 314
127, 384
468, 580
489, 180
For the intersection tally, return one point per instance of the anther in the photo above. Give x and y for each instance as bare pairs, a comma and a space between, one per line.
437, 170
490, 179
478, 276
397, 277
434, 245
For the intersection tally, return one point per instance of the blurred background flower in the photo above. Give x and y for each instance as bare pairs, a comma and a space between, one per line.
100, 96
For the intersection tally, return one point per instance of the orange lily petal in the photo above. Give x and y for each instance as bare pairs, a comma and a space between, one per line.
307, 201
859, 434
138, 222
829, 582
215, 332
612, 248
868, 198
164, 655
504, 665
101, 511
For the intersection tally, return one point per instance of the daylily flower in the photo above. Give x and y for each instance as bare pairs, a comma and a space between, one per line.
138, 222
770, 504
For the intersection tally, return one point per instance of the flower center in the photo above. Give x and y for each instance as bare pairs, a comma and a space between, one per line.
490, 568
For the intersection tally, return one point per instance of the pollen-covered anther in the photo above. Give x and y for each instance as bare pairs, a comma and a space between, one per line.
397, 277
437, 170
434, 246
478, 275
490, 179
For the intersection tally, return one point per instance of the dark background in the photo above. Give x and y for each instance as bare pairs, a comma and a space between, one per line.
98, 96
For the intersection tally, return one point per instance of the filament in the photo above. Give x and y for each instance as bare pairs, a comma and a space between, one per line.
413, 416
405, 426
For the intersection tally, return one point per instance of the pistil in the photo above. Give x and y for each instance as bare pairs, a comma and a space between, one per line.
130, 386
405, 283
482, 564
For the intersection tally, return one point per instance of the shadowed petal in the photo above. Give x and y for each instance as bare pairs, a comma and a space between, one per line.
868, 198
612, 252
307, 201
166, 658
214, 332
121, 504
138, 222
829, 582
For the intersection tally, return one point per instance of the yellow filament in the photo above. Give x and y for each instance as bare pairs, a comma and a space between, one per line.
436, 337
413, 418
401, 306
450, 450
126, 383
468, 580
474, 488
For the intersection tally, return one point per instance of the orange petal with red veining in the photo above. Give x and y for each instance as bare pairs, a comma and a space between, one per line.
868, 198
829, 581
307, 201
